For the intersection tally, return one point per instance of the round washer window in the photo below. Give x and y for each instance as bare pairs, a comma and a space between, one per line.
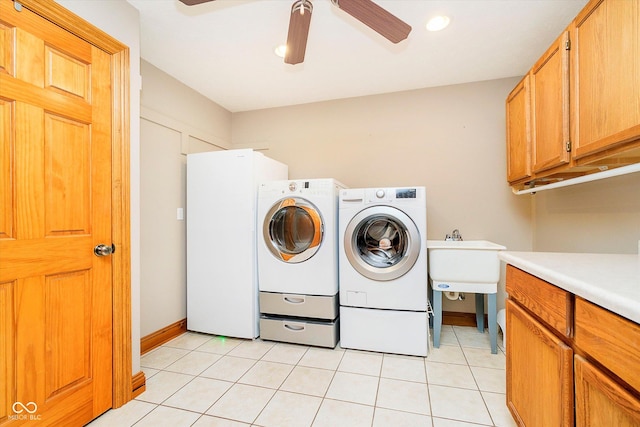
382, 243
293, 230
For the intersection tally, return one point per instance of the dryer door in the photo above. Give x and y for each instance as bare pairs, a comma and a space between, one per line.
293, 230
382, 243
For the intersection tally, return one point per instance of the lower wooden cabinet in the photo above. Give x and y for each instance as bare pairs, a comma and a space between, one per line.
602, 402
569, 361
539, 372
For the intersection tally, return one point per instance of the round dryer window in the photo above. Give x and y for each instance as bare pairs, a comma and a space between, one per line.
293, 230
381, 243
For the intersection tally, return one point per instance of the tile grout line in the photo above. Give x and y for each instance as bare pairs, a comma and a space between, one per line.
324, 397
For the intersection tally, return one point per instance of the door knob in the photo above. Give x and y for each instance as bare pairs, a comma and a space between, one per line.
104, 250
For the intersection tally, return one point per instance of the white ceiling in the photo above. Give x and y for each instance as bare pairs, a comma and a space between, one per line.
224, 49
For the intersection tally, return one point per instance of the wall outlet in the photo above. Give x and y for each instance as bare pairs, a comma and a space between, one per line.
180, 215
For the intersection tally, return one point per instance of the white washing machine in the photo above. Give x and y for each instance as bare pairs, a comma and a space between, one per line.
298, 261
383, 270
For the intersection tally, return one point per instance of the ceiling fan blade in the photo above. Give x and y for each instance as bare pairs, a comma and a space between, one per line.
298, 31
376, 18
194, 2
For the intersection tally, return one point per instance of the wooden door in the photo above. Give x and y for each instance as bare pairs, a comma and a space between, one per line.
539, 372
55, 188
519, 132
605, 67
600, 401
550, 107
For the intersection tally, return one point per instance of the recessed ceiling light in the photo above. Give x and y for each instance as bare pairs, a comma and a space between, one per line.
280, 50
438, 23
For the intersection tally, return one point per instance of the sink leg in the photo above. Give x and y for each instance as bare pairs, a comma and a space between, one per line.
437, 317
480, 312
430, 296
493, 323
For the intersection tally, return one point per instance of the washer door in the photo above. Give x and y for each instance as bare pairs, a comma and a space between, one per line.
382, 243
293, 230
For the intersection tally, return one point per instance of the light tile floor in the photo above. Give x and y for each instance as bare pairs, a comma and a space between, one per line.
202, 380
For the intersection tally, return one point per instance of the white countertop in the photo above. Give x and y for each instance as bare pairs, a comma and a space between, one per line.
611, 281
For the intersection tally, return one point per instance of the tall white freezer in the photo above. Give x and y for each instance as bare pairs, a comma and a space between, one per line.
222, 277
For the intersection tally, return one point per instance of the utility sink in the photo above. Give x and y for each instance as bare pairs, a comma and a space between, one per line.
465, 266
465, 261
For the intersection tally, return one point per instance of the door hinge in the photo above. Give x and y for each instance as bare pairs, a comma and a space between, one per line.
567, 45
568, 146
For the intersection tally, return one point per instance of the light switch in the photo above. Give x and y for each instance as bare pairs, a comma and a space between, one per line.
180, 214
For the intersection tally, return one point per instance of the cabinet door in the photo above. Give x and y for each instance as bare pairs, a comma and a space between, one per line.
539, 372
610, 339
605, 68
550, 107
602, 402
519, 132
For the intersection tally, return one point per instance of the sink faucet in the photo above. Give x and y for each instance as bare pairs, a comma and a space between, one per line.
455, 235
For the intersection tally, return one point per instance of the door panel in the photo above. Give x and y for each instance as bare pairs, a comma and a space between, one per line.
67, 335
518, 114
7, 343
550, 107
539, 372
6, 169
55, 294
67, 190
606, 96
71, 75
600, 401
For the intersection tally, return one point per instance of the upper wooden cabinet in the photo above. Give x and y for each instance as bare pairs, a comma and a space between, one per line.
584, 99
519, 132
550, 107
606, 79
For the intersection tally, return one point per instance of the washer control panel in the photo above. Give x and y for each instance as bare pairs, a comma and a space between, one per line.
405, 193
390, 194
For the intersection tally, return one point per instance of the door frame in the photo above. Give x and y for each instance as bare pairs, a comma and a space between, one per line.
120, 184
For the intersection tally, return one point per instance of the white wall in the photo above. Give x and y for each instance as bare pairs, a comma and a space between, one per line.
600, 217
449, 139
169, 102
175, 121
121, 20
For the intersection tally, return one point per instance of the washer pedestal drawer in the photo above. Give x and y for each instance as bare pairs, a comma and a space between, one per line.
299, 331
313, 306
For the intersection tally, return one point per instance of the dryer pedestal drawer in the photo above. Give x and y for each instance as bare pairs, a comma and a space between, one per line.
299, 331
317, 307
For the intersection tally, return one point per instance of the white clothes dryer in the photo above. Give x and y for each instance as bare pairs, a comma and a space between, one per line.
383, 270
298, 261
298, 236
